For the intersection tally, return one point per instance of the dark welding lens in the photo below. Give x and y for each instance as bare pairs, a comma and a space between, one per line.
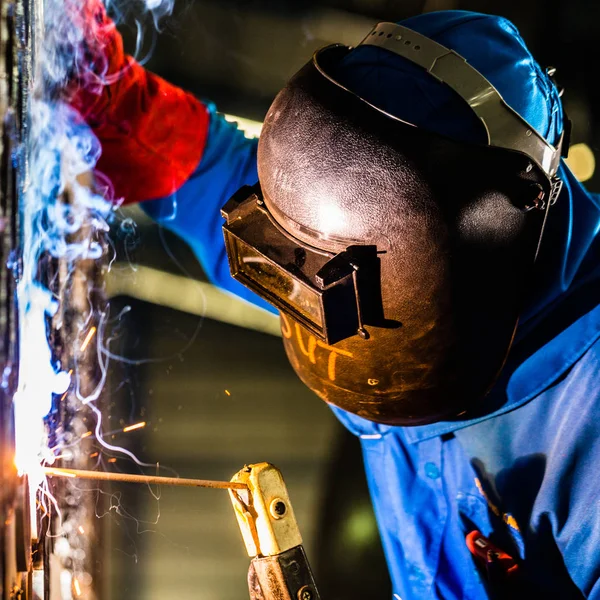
276, 284
316, 288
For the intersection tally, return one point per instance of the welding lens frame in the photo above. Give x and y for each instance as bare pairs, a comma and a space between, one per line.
318, 289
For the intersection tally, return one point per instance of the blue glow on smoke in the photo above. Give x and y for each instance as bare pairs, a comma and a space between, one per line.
62, 153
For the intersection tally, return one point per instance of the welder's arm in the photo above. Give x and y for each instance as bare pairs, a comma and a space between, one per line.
152, 133
193, 211
163, 147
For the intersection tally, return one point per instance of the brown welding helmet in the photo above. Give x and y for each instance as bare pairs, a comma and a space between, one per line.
397, 257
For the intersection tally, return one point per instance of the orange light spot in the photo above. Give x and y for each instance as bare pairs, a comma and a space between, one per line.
511, 521
112, 460
88, 339
133, 427
228, 392
77, 587
81, 530
94, 455
86, 434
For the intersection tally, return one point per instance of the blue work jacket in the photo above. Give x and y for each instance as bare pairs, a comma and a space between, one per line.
525, 473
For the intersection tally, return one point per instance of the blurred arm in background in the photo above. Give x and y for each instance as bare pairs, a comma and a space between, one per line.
164, 147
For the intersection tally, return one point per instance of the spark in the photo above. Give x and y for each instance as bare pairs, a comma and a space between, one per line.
112, 460
228, 392
88, 338
134, 427
81, 529
58, 204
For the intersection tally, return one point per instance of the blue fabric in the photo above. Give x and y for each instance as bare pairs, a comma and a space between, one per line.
525, 472
193, 212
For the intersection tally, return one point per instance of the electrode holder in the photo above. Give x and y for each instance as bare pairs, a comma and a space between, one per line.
279, 569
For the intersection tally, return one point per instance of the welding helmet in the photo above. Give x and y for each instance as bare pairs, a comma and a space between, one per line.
398, 257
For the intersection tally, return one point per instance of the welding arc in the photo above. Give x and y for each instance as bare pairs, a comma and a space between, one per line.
147, 479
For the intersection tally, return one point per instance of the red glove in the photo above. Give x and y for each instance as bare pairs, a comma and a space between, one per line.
152, 133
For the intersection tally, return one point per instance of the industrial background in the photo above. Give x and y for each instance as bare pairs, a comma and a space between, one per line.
207, 374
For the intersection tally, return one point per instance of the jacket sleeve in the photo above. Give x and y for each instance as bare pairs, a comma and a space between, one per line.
152, 133
193, 211
161, 146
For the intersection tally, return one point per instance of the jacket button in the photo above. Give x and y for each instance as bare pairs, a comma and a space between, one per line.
431, 470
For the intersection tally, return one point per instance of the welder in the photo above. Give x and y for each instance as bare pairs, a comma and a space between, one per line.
435, 263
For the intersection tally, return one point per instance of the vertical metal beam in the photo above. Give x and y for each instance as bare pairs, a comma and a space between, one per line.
15, 553
77, 284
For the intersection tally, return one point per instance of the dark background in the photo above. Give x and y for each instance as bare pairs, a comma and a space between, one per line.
216, 395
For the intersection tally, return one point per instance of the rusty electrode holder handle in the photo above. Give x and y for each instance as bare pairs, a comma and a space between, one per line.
279, 569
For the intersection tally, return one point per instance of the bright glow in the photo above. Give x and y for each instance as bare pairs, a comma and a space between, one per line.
133, 427
581, 161
187, 295
64, 212
62, 217
61, 150
331, 217
252, 129
61, 154
37, 379
88, 339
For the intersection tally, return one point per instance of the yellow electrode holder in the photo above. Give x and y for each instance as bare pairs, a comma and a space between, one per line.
264, 511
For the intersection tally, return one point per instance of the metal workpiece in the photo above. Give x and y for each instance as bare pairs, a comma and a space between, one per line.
279, 569
17, 562
26, 553
15, 514
76, 285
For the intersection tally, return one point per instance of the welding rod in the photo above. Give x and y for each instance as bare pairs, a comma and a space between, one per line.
148, 479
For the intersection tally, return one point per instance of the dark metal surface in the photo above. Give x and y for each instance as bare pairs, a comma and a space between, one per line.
285, 576
15, 534
77, 284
